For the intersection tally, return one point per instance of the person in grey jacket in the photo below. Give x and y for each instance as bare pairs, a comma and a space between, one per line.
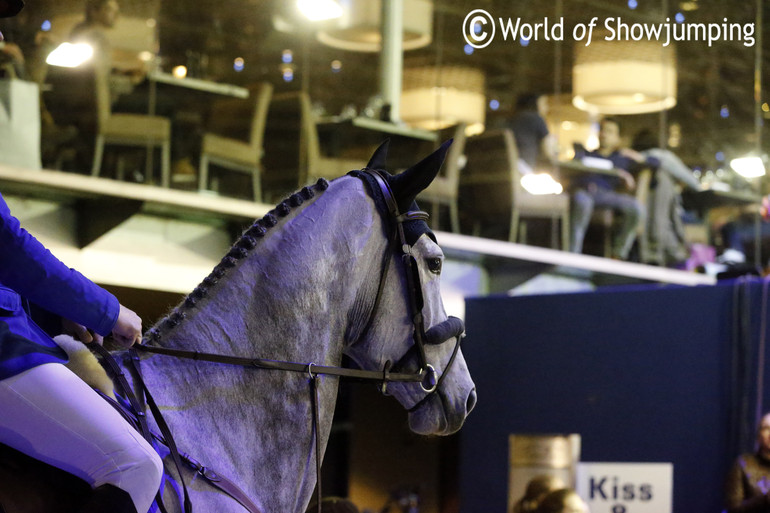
664, 223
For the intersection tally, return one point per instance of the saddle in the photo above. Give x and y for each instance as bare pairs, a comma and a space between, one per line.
28, 485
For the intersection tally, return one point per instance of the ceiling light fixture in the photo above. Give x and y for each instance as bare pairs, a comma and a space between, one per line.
320, 10
748, 167
438, 97
359, 28
69, 55
624, 77
541, 183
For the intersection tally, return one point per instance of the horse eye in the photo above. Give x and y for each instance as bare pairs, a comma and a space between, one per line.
434, 265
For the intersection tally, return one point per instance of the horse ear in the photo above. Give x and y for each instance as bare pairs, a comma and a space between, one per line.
379, 156
407, 185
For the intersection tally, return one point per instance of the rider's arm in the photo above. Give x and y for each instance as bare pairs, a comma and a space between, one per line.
30, 269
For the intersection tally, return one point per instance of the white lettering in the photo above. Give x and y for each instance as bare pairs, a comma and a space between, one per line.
579, 27
611, 29
478, 20
508, 28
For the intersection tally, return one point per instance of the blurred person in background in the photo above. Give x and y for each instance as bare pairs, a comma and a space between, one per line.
126, 71
564, 500
748, 481
125, 68
534, 143
537, 488
665, 229
601, 190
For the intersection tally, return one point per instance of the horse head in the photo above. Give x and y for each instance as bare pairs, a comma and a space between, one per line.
409, 330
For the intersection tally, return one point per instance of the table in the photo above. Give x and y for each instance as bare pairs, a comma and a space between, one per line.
194, 84
708, 199
377, 125
193, 115
718, 207
575, 167
343, 135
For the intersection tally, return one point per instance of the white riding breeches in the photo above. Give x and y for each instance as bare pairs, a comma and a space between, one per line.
50, 414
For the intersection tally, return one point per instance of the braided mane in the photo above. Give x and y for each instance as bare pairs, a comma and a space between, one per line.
239, 250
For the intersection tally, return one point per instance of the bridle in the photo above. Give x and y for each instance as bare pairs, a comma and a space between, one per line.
427, 375
429, 381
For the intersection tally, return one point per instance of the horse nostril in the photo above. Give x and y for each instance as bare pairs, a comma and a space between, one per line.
471, 402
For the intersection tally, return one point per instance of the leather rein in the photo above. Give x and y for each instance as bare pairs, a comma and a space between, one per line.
427, 375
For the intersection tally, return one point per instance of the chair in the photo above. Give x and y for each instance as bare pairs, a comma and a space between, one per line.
316, 165
125, 129
233, 153
293, 156
444, 190
606, 219
491, 188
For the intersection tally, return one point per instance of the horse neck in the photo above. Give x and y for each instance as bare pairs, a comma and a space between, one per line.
292, 298
297, 294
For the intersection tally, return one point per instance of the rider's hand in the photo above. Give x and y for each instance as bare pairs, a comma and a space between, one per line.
80, 332
128, 328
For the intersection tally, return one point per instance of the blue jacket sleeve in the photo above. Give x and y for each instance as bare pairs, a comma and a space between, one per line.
27, 267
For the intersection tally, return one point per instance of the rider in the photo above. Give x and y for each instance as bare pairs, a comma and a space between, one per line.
47, 411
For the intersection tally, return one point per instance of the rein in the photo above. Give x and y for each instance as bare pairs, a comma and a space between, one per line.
259, 363
427, 375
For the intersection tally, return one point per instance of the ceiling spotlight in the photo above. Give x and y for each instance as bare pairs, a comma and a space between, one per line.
541, 183
319, 10
748, 167
68, 55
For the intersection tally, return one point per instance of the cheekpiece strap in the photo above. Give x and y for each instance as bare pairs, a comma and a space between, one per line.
387, 192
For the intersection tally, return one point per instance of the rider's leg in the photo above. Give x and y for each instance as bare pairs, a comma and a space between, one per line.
52, 415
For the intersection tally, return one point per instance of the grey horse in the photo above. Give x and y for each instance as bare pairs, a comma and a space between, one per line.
319, 277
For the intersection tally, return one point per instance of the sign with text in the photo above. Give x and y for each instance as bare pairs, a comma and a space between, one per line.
626, 487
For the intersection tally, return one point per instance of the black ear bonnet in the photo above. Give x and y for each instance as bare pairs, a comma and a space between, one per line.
413, 230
